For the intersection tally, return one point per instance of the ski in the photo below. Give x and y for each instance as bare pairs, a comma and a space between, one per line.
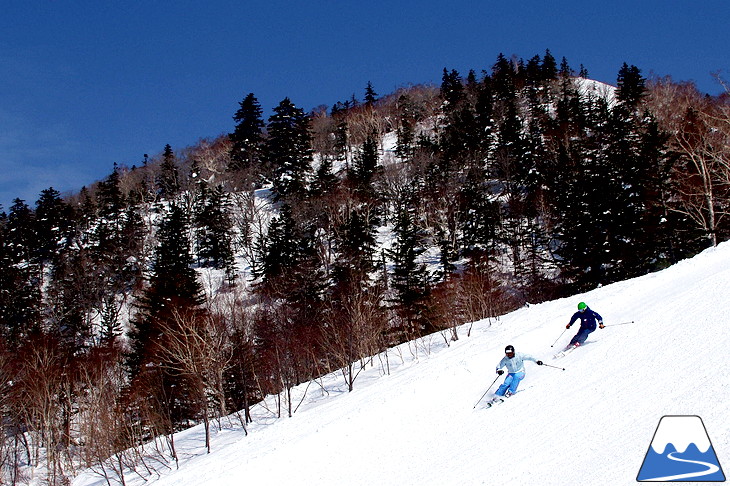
564, 352
494, 401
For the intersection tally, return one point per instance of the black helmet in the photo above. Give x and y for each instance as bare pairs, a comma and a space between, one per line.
509, 349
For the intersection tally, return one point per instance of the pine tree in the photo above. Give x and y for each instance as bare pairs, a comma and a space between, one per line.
110, 200
549, 67
356, 244
173, 288
110, 205
363, 169
631, 86
20, 297
213, 231
533, 71
289, 150
452, 89
86, 209
342, 138
370, 95
247, 139
52, 223
168, 182
293, 276
479, 215
131, 247
577, 182
281, 248
503, 79
483, 117
325, 181
405, 132
410, 279
636, 155
565, 70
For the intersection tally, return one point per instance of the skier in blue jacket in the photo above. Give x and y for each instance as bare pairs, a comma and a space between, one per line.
514, 362
588, 319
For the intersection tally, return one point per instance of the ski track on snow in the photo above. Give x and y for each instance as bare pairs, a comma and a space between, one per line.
711, 469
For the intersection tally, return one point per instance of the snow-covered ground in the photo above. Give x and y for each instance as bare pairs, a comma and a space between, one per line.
591, 424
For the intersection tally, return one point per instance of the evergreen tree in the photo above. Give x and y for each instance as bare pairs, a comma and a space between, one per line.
356, 246
410, 279
363, 169
355, 237
659, 227
110, 200
52, 223
281, 248
370, 95
110, 204
174, 297
168, 182
631, 86
636, 156
565, 70
596, 197
289, 150
292, 269
131, 247
549, 67
479, 215
213, 231
173, 288
533, 71
342, 138
247, 139
20, 297
86, 209
484, 117
325, 181
21, 237
503, 79
407, 117
452, 89
74, 292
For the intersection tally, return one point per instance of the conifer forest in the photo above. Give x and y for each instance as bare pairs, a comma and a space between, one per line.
185, 288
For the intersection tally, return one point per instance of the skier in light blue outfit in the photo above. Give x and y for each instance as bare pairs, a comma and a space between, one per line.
514, 362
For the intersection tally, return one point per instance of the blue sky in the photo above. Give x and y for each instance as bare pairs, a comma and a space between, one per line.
86, 83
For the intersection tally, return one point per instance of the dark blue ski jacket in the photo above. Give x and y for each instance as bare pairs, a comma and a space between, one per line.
588, 319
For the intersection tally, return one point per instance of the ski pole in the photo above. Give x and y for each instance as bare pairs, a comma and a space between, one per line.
485, 393
619, 324
561, 335
556, 367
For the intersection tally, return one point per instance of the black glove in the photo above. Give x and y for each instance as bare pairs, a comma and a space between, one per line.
500, 372
539, 363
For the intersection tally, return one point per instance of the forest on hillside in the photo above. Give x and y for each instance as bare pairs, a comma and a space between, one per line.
186, 288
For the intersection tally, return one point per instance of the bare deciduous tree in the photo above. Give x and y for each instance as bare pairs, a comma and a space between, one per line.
197, 347
355, 334
699, 127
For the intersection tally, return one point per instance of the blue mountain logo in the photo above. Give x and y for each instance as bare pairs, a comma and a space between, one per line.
681, 451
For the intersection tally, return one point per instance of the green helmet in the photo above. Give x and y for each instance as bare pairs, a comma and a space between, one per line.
582, 305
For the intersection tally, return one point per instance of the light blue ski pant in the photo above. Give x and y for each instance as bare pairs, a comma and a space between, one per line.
510, 383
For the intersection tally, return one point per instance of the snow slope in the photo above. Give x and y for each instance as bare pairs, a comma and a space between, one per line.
591, 424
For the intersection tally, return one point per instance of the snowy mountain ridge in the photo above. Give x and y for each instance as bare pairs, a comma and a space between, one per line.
680, 432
